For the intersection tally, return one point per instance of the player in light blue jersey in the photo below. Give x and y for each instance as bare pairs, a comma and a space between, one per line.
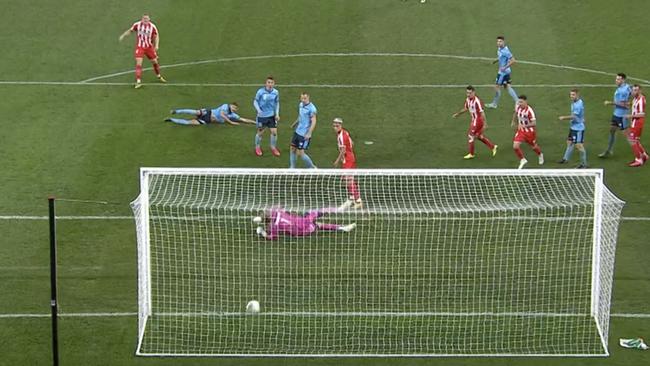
621, 105
267, 105
576, 130
505, 60
225, 113
306, 122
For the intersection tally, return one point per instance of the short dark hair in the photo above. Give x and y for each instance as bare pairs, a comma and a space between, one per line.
305, 93
523, 97
622, 75
469, 87
636, 86
575, 90
270, 77
235, 104
501, 38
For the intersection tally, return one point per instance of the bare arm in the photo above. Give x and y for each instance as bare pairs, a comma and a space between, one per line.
157, 41
564, 118
246, 120
514, 117
339, 159
459, 112
126, 33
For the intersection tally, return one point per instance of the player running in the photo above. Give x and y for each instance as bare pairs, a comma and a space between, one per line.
306, 122
147, 42
621, 105
526, 132
347, 160
475, 107
280, 221
505, 60
576, 130
267, 105
225, 113
636, 128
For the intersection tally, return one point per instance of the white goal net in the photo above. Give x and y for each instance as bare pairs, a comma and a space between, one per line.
430, 263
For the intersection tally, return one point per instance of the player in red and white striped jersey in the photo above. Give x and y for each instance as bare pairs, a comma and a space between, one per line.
147, 41
475, 107
526, 131
347, 160
636, 127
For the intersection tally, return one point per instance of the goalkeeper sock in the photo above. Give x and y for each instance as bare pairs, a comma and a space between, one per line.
612, 139
497, 96
568, 152
513, 94
292, 160
583, 157
180, 121
258, 140
187, 111
307, 160
274, 140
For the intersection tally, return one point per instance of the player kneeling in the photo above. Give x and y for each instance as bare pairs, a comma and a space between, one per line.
280, 221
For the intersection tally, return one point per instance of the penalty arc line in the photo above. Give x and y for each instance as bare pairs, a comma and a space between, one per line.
362, 54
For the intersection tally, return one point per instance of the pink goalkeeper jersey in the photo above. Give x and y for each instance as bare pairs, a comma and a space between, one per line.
283, 222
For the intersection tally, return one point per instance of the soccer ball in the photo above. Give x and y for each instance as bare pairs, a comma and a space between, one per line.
257, 220
253, 307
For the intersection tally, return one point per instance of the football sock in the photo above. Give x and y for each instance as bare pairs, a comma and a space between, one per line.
258, 140
274, 140
329, 227
471, 147
583, 157
519, 153
568, 152
353, 190
138, 72
486, 141
537, 149
307, 160
612, 139
186, 111
156, 69
181, 121
292, 160
495, 101
513, 94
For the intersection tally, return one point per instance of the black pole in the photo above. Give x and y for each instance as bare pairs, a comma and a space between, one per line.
53, 302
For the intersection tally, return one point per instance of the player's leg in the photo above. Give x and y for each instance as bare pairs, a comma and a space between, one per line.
516, 146
292, 157
570, 144
336, 227
138, 70
201, 117
300, 145
637, 150
258, 136
583, 155
497, 92
470, 146
538, 150
616, 124
511, 90
274, 140
481, 137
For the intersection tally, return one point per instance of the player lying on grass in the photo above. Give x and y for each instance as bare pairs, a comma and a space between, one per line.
280, 221
222, 114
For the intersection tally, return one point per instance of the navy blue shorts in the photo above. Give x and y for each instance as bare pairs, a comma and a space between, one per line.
205, 117
620, 122
503, 79
299, 142
576, 137
266, 122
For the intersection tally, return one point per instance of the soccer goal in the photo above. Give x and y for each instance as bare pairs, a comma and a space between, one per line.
440, 263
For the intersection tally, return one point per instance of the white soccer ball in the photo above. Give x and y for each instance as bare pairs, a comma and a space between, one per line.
253, 307
257, 220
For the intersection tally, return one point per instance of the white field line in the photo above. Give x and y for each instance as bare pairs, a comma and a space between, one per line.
363, 54
301, 86
99, 218
308, 314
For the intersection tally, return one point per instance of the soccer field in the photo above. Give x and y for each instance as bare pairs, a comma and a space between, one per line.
394, 70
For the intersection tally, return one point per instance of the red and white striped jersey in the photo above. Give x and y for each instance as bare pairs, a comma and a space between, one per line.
638, 105
345, 141
146, 33
526, 118
475, 108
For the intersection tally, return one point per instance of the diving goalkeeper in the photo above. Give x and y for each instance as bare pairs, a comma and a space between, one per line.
280, 221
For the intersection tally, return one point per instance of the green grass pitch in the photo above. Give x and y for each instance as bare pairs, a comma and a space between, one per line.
88, 141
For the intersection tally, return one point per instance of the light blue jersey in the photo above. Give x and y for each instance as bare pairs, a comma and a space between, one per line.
226, 109
504, 55
622, 94
578, 113
305, 113
267, 103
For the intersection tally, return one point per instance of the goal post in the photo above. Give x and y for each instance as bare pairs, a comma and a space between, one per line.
432, 263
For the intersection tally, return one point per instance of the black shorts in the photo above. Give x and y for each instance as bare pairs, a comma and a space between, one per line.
620, 122
205, 117
266, 122
299, 142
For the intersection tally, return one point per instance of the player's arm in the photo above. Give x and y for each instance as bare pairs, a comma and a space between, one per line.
485, 124
460, 112
339, 159
513, 123
277, 110
126, 33
312, 127
256, 104
246, 120
227, 119
511, 62
565, 118
157, 41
